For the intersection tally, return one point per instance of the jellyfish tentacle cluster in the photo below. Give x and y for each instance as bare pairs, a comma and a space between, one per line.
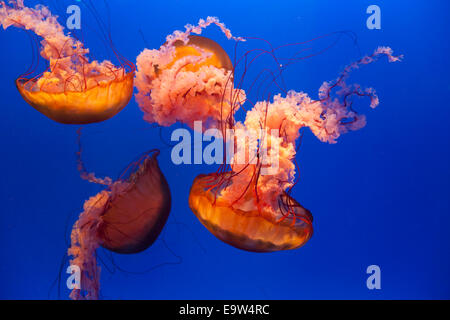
327, 118
241, 206
187, 79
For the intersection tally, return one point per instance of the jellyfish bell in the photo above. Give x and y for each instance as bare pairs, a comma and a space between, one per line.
125, 218
95, 104
73, 89
246, 226
134, 218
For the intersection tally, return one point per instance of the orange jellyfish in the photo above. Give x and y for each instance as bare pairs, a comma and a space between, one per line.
125, 218
73, 90
188, 79
248, 202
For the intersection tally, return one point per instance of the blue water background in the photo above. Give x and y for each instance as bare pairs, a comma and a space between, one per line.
379, 196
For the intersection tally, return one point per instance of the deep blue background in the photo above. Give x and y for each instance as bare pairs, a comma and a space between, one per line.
379, 196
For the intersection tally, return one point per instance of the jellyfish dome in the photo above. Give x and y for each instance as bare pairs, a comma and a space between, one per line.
125, 218
73, 90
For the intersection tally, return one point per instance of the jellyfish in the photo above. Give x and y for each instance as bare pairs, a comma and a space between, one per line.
247, 204
188, 79
73, 89
126, 218
250, 206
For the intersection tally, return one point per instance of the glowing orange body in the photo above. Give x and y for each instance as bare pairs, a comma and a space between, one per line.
249, 230
74, 107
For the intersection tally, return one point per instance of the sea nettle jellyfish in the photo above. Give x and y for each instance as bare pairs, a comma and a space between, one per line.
126, 217
72, 90
188, 79
250, 207
247, 204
